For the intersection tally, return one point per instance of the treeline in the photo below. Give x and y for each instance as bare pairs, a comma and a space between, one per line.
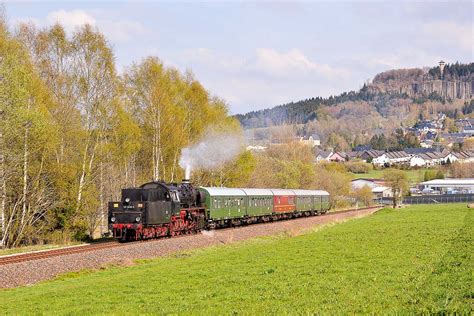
398, 140
381, 94
73, 131
304, 111
454, 71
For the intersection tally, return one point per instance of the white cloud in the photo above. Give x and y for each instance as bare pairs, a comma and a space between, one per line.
121, 30
294, 61
266, 62
210, 58
458, 35
405, 58
70, 19
116, 29
264, 78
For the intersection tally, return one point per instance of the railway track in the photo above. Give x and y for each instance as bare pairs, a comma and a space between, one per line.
42, 254
55, 252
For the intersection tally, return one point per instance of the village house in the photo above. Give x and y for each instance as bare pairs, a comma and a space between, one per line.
370, 182
466, 126
379, 190
427, 159
338, 157
382, 192
312, 140
428, 126
398, 157
322, 155
464, 156
427, 143
370, 155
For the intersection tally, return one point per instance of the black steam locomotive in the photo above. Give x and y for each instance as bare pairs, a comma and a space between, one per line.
156, 209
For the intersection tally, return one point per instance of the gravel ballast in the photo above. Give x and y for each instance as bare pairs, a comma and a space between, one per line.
30, 272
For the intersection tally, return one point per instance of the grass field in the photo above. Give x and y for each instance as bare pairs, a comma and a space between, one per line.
414, 176
417, 259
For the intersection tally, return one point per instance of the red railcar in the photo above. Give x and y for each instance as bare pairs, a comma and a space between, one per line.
284, 201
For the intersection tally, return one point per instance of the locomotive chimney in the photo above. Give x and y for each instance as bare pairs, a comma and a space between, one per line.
185, 181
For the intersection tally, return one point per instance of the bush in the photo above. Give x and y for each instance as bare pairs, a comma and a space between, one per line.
364, 195
462, 170
358, 167
433, 174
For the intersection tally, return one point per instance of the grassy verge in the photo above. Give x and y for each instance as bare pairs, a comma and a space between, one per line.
11, 251
412, 260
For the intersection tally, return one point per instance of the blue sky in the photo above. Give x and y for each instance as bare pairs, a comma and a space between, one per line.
260, 54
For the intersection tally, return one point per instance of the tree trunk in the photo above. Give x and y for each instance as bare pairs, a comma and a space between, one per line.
395, 194
101, 199
175, 162
3, 192
155, 158
25, 175
82, 178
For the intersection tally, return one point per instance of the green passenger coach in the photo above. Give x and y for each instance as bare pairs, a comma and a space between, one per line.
237, 204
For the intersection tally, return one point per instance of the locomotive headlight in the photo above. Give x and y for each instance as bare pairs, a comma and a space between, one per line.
112, 219
138, 219
127, 200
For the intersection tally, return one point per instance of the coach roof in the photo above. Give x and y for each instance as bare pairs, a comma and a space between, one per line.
217, 191
310, 192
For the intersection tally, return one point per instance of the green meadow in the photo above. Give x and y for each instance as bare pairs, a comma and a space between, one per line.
413, 175
412, 260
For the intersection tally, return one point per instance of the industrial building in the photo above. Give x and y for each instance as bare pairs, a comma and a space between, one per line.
448, 186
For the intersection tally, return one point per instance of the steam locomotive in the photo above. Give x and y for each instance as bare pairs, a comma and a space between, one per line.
159, 209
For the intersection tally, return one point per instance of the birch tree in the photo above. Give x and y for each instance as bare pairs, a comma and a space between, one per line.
28, 136
95, 76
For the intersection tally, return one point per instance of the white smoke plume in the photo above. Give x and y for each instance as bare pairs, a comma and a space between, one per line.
214, 150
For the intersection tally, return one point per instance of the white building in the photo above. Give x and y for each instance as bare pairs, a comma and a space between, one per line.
449, 186
312, 140
381, 160
382, 192
323, 156
417, 161
371, 183
398, 157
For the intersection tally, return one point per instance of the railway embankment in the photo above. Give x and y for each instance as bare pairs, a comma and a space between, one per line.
39, 267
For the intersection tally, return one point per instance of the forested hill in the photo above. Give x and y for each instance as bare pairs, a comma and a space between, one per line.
414, 85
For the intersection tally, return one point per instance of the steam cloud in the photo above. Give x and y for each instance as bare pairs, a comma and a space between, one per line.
214, 150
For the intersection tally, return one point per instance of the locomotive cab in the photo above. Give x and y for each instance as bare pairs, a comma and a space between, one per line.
152, 203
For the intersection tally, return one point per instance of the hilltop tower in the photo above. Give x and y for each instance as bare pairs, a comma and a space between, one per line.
441, 66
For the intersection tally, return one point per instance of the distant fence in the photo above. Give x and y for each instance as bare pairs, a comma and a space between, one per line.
434, 199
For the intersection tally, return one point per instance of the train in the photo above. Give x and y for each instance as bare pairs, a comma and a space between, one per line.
158, 209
